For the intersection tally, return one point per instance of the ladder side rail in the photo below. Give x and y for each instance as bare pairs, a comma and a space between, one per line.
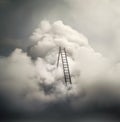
58, 56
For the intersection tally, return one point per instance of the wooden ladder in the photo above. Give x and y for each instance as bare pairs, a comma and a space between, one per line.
63, 54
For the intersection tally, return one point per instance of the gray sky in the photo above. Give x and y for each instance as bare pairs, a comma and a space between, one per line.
98, 20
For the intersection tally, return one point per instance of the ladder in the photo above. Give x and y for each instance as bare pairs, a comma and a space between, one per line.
66, 71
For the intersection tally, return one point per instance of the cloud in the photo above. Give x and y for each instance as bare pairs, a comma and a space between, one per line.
98, 20
31, 82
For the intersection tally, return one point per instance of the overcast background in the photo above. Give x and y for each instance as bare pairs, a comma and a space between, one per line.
98, 20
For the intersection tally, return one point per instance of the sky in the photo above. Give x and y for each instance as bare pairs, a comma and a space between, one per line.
32, 87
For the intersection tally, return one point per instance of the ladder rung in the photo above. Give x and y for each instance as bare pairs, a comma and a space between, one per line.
67, 75
65, 63
66, 70
66, 66
67, 78
64, 55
